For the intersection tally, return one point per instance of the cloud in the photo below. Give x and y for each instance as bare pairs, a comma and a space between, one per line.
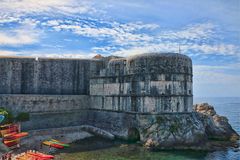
222, 49
50, 6
113, 32
135, 38
48, 54
7, 53
191, 32
21, 36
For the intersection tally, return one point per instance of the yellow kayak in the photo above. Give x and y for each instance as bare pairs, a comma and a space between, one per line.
51, 144
60, 143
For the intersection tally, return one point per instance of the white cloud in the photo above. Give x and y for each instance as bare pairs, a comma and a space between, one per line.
62, 55
48, 54
21, 36
136, 38
7, 53
192, 32
53, 6
117, 34
222, 49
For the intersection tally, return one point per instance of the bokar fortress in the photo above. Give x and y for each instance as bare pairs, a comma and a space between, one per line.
147, 98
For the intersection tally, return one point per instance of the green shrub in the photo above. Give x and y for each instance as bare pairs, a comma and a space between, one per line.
9, 118
23, 116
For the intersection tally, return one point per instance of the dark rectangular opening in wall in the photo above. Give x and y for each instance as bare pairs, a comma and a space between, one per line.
102, 102
133, 104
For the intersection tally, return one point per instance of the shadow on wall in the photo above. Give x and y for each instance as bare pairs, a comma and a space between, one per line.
133, 135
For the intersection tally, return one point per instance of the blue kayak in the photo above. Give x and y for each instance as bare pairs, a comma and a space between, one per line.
1, 118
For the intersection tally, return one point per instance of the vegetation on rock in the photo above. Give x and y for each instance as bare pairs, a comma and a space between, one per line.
9, 117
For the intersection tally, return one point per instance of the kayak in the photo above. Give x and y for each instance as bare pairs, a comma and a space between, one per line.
11, 143
48, 143
41, 155
9, 134
7, 126
9, 129
15, 135
20, 135
25, 157
2, 117
60, 143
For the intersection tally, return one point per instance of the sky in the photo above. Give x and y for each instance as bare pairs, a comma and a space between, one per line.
207, 31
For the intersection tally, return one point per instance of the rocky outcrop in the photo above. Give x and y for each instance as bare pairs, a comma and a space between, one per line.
173, 131
217, 127
203, 129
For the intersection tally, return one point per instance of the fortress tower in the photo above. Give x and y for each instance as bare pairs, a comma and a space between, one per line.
150, 82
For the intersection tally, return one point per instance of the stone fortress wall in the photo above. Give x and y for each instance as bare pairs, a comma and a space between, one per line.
45, 76
71, 92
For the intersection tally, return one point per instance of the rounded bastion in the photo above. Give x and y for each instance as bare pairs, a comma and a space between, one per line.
160, 63
151, 82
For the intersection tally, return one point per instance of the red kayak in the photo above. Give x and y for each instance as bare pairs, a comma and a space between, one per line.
9, 134
11, 143
20, 135
41, 155
16, 135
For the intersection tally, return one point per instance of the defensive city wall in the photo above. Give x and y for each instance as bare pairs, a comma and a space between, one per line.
111, 93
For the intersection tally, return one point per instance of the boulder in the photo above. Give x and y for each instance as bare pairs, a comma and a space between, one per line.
173, 131
217, 127
202, 129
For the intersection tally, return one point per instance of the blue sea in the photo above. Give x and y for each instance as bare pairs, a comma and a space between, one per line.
229, 107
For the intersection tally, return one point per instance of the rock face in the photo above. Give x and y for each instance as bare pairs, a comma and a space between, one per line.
202, 129
217, 127
179, 131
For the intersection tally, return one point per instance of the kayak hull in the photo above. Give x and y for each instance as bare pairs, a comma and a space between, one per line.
48, 143
60, 143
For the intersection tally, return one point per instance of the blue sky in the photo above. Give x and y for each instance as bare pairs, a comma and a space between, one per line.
207, 31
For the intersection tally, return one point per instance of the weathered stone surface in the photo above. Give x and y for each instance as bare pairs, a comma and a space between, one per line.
45, 76
153, 82
217, 127
173, 131
33, 103
97, 131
